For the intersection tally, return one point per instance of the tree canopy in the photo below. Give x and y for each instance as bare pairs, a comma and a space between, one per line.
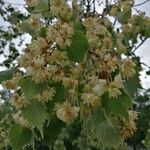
76, 85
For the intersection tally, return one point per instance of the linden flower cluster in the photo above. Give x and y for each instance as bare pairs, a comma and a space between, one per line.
109, 64
127, 68
102, 70
34, 21
12, 84
123, 6
60, 9
129, 126
104, 60
126, 5
43, 61
19, 101
60, 33
136, 24
46, 95
66, 112
97, 33
4, 132
115, 86
92, 91
4, 137
20, 119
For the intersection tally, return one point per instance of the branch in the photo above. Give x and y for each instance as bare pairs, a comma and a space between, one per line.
94, 7
49, 5
139, 45
145, 65
106, 3
141, 3
115, 22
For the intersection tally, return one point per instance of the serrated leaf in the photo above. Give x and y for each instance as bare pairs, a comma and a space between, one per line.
7, 74
42, 32
41, 6
52, 131
30, 88
78, 48
60, 92
109, 135
126, 100
117, 106
36, 115
59, 95
26, 27
47, 14
132, 85
19, 136
123, 17
97, 117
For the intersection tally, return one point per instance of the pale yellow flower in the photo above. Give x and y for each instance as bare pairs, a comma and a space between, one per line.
127, 68
129, 126
90, 99
19, 101
66, 112
46, 95
61, 33
20, 119
114, 87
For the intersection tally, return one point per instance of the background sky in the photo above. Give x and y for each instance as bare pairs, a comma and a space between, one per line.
143, 51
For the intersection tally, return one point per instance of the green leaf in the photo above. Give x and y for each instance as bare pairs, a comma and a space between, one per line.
7, 75
117, 106
19, 136
123, 17
47, 15
97, 117
109, 135
30, 88
42, 32
59, 95
36, 115
60, 92
41, 6
26, 27
126, 100
78, 48
52, 131
132, 85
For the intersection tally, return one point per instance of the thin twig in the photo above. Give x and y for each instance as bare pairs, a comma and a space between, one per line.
94, 7
145, 65
115, 22
106, 3
139, 45
141, 3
